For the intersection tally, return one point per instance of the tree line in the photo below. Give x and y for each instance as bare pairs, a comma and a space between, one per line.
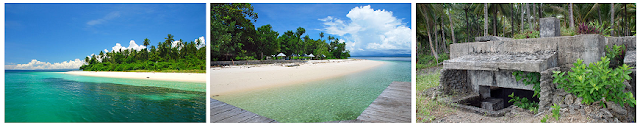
234, 37
439, 25
181, 57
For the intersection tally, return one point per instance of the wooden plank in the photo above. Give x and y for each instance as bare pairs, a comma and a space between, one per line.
393, 105
225, 113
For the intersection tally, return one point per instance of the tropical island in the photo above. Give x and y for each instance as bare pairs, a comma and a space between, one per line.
234, 37
291, 77
169, 56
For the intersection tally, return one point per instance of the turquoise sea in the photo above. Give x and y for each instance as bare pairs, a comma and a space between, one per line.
340, 98
48, 96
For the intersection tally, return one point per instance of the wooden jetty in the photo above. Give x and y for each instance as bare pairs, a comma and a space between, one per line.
225, 113
392, 106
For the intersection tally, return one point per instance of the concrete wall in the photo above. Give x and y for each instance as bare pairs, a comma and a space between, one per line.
589, 47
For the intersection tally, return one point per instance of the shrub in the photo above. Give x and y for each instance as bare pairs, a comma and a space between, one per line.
596, 81
594, 28
565, 31
523, 102
527, 34
532, 78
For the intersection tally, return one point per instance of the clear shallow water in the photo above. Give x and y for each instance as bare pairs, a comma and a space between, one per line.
40, 96
341, 98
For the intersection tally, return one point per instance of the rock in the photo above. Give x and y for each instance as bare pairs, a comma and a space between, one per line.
568, 99
616, 108
578, 101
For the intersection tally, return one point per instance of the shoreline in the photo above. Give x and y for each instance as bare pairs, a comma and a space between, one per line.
233, 79
182, 77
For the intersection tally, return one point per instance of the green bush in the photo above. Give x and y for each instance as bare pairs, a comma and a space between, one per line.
523, 103
565, 31
596, 81
527, 34
532, 78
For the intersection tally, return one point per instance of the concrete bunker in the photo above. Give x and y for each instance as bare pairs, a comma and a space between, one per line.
480, 73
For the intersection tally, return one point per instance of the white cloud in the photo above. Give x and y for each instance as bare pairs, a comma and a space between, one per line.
104, 19
371, 32
132, 45
202, 42
35, 65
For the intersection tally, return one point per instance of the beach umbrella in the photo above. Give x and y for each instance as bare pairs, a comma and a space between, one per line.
281, 54
311, 55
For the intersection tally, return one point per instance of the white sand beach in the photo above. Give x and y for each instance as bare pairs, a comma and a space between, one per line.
249, 77
185, 77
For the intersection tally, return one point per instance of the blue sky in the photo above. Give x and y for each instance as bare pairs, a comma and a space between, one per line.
368, 29
55, 33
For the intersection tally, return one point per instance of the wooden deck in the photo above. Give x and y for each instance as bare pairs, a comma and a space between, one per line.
392, 106
225, 113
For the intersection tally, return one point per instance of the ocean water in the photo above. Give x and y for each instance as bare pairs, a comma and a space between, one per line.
47, 96
340, 98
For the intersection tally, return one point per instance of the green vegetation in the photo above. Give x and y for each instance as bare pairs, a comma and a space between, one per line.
523, 103
616, 53
183, 57
527, 35
544, 119
594, 28
234, 37
556, 111
428, 109
596, 81
426, 61
530, 78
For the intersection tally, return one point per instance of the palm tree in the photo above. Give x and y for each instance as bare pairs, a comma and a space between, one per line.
571, 25
321, 35
423, 9
146, 42
86, 59
612, 15
486, 21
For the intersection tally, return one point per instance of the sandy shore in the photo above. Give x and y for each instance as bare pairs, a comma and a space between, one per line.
244, 78
186, 77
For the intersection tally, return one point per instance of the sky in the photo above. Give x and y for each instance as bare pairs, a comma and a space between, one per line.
60, 36
367, 29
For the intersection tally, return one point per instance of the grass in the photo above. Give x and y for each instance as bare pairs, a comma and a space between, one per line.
429, 109
427, 61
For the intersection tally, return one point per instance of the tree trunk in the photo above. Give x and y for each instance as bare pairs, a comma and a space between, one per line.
513, 17
571, 25
540, 11
521, 19
495, 21
528, 17
624, 20
435, 34
453, 35
612, 15
424, 13
433, 51
486, 19
468, 26
444, 40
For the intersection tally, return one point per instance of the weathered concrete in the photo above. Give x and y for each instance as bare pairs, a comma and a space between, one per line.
549, 27
490, 38
630, 58
496, 61
453, 82
493, 104
589, 47
628, 41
